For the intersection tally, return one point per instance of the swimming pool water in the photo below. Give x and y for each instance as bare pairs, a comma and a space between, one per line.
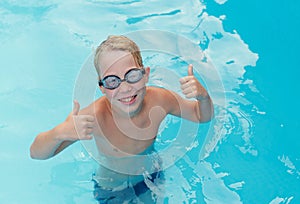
252, 152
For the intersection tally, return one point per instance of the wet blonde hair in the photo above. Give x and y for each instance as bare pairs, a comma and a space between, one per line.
118, 43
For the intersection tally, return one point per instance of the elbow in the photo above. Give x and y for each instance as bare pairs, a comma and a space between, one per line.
32, 153
35, 155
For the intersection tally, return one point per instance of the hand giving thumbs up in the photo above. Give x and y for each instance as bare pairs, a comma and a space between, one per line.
191, 87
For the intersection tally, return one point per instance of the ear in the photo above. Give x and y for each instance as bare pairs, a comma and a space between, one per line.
147, 74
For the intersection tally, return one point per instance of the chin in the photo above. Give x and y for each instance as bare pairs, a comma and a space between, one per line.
134, 108
130, 107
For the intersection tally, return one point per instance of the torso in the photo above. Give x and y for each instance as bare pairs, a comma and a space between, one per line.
121, 138
131, 136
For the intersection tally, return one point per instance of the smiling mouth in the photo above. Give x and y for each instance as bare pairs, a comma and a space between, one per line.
128, 100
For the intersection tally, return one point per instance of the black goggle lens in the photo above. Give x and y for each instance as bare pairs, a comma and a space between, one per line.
132, 76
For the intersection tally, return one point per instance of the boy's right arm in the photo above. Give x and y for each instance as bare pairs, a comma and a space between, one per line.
75, 127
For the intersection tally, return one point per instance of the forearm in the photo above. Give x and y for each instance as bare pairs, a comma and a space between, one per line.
46, 144
49, 143
206, 109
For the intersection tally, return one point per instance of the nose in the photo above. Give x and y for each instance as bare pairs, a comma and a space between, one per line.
125, 87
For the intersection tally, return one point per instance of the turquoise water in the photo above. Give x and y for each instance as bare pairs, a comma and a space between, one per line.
248, 154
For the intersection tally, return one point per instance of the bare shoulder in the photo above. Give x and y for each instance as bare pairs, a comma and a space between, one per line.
160, 93
161, 97
156, 92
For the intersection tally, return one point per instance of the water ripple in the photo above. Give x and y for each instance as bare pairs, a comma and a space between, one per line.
230, 125
134, 20
36, 12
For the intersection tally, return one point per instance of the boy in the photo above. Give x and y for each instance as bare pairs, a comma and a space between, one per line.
125, 121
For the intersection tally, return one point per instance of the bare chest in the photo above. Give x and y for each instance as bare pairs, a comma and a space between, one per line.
129, 136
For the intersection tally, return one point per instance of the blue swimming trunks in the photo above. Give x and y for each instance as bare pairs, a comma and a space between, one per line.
110, 196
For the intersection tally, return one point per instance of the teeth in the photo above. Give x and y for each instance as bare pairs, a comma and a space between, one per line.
127, 99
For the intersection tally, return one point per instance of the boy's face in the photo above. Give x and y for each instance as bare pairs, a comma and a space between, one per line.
127, 98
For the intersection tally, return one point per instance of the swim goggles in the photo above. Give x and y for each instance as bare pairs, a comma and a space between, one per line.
112, 81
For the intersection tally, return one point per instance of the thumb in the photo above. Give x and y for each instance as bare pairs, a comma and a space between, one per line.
76, 107
190, 70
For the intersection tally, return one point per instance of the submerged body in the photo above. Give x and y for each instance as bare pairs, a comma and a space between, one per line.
116, 187
125, 121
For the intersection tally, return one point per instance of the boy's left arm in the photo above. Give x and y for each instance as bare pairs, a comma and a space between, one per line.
192, 88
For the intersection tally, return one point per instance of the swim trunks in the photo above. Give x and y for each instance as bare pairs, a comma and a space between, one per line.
110, 196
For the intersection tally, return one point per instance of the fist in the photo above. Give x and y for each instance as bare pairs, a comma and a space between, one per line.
77, 127
191, 87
